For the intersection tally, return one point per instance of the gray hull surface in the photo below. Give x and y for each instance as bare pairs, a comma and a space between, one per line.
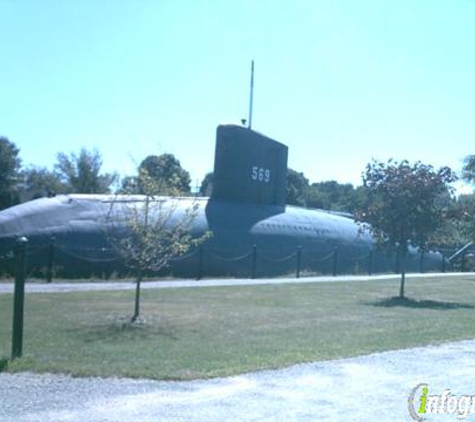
247, 238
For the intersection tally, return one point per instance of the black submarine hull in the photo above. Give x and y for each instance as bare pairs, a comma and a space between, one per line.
248, 239
254, 232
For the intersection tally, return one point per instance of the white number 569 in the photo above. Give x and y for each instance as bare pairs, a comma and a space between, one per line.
260, 174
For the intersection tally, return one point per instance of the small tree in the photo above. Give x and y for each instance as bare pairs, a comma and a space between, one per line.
148, 230
405, 206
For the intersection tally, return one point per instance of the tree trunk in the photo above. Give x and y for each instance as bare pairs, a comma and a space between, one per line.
403, 272
137, 296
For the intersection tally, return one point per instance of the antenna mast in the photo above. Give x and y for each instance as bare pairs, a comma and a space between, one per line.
251, 96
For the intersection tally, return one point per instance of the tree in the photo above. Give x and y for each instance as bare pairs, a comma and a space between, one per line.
81, 172
130, 186
40, 182
465, 211
206, 188
9, 173
331, 195
406, 205
297, 186
147, 231
167, 173
468, 170
318, 198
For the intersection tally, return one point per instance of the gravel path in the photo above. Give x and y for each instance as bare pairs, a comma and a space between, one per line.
368, 388
102, 286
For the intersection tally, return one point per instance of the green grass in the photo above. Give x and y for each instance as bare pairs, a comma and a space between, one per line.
216, 331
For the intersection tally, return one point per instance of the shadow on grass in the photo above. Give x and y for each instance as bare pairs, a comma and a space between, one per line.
419, 304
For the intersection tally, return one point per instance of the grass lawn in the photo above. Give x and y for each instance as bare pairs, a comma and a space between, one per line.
216, 331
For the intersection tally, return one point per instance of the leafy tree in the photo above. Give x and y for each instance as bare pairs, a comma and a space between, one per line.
9, 173
297, 186
406, 205
317, 198
465, 212
147, 231
468, 170
360, 197
167, 173
81, 172
206, 187
39, 182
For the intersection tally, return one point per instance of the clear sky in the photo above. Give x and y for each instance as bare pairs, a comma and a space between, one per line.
339, 81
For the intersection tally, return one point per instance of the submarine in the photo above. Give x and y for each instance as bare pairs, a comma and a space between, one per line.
254, 233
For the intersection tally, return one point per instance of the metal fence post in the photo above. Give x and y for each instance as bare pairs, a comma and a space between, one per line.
443, 263
370, 263
19, 297
299, 260
254, 261
50, 262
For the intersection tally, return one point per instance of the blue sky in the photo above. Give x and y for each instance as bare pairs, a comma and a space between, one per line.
339, 81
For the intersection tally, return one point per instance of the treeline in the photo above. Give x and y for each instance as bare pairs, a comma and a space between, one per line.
81, 173
329, 195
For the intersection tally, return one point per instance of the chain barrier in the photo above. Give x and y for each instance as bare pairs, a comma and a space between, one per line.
86, 249
277, 260
31, 271
300, 255
361, 258
361, 263
34, 249
83, 258
183, 257
320, 260
234, 259
8, 257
